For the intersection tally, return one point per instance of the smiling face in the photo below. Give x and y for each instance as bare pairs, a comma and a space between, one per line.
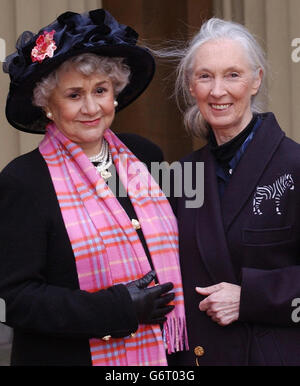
223, 84
83, 108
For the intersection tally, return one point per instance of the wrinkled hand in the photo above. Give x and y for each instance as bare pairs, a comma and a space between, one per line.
151, 304
222, 303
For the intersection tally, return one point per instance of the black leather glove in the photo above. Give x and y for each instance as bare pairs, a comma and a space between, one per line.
151, 303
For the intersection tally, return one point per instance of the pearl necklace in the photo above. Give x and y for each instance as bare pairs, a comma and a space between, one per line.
104, 160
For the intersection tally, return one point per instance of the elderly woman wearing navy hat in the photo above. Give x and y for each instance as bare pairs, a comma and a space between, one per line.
79, 260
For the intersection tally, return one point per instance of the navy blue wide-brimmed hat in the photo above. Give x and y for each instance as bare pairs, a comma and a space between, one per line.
70, 35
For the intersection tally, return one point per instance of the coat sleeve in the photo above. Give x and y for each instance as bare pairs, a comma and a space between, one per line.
268, 296
33, 304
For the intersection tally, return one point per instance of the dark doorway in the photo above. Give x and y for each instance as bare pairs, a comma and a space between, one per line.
155, 114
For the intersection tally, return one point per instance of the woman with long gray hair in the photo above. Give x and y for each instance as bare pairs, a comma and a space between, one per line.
239, 251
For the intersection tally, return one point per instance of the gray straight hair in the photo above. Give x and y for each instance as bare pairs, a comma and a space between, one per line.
213, 29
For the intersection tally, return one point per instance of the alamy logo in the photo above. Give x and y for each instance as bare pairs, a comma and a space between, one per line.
296, 51
296, 311
2, 311
272, 192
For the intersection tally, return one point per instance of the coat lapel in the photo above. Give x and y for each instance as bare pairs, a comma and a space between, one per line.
214, 218
250, 168
210, 234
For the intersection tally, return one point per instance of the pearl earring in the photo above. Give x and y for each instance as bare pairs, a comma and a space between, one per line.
49, 115
116, 104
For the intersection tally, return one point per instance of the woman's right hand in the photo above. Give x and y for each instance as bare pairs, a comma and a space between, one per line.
151, 304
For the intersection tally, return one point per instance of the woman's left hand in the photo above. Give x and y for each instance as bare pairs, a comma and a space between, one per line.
222, 303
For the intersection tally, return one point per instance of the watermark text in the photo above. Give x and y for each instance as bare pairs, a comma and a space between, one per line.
2, 311
296, 51
175, 180
296, 311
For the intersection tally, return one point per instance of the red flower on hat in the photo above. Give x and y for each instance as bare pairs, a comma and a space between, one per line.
45, 47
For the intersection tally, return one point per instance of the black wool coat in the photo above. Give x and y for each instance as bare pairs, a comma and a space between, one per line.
251, 238
52, 318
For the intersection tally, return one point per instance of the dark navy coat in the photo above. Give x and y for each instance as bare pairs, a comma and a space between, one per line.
251, 238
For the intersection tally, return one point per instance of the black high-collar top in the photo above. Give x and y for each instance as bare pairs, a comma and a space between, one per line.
224, 153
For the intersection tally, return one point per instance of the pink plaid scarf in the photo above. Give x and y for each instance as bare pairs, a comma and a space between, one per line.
106, 246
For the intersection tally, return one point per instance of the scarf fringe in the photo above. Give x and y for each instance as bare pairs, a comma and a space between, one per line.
175, 335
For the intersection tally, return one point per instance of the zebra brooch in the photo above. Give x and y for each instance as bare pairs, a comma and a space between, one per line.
272, 192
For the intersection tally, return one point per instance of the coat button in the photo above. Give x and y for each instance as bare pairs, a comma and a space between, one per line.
136, 224
199, 351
